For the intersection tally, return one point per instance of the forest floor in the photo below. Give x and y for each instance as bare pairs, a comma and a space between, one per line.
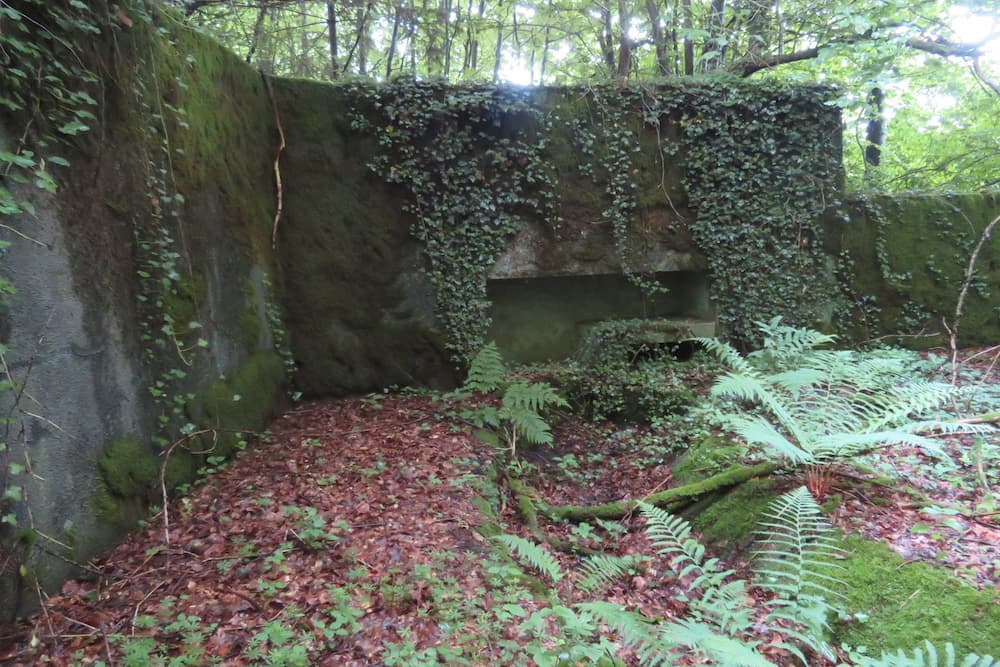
352, 534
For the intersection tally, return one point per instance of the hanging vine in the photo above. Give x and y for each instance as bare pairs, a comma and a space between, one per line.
471, 161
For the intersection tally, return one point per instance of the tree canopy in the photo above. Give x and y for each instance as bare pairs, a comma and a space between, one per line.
920, 81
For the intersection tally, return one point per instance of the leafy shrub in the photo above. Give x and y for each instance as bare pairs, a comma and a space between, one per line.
626, 370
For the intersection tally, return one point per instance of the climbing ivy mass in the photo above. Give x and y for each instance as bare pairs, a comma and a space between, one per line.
761, 163
471, 169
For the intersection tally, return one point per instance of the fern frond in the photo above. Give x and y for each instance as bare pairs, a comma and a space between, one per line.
794, 559
536, 396
601, 570
534, 554
727, 354
671, 535
723, 650
845, 445
758, 431
757, 390
930, 659
636, 631
911, 398
486, 370
530, 425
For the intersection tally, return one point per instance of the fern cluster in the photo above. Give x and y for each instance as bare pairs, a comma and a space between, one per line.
522, 404
813, 406
795, 560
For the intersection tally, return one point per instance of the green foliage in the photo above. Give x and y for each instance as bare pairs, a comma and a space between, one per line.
534, 554
930, 658
519, 415
814, 406
471, 169
486, 370
625, 370
794, 560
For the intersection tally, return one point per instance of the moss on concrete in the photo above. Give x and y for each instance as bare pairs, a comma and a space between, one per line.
243, 403
908, 602
360, 314
129, 468
909, 254
727, 524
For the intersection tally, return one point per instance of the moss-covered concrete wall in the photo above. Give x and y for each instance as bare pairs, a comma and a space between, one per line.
360, 313
903, 260
144, 304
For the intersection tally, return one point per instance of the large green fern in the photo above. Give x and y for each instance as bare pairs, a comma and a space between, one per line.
486, 370
534, 554
812, 406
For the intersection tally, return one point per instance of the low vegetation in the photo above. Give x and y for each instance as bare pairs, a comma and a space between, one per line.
798, 506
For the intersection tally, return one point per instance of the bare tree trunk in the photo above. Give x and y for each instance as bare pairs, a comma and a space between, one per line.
362, 42
546, 45
360, 46
412, 37
624, 41
688, 44
714, 51
757, 30
331, 31
498, 53
396, 20
659, 39
300, 65
607, 40
875, 133
444, 15
258, 28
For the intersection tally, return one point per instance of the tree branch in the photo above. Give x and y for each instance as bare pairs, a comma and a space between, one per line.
748, 66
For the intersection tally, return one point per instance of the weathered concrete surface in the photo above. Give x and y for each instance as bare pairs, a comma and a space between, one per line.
76, 352
907, 260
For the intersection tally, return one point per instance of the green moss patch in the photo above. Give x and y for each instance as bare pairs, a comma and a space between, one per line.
705, 458
243, 403
909, 602
728, 523
128, 468
907, 257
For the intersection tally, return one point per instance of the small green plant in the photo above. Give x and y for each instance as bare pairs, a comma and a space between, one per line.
310, 529
519, 415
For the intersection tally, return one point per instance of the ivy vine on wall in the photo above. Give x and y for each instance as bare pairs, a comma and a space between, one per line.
761, 163
471, 161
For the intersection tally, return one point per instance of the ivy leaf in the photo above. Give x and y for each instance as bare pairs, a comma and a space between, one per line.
17, 160
73, 128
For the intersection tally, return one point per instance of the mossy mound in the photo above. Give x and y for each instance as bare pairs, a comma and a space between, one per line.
727, 524
705, 458
907, 603
242, 403
128, 468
